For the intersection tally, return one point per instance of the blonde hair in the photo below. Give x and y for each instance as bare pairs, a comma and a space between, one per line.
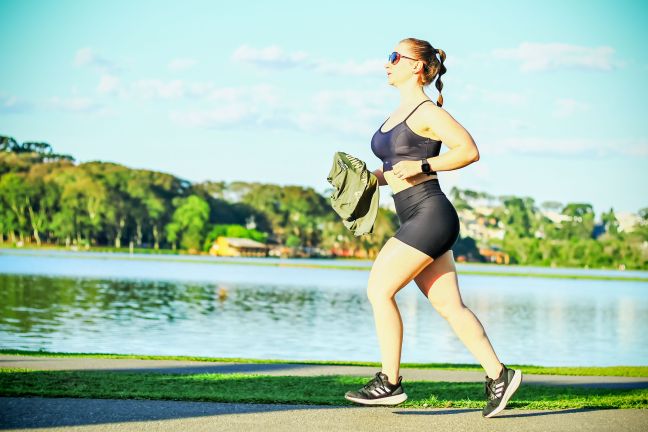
431, 65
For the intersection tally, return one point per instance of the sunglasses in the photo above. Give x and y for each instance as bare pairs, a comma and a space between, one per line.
396, 56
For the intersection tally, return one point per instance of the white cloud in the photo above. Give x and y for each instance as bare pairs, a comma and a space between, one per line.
180, 64
535, 57
88, 57
258, 106
277, 58
568, 107
271, 56
350, 112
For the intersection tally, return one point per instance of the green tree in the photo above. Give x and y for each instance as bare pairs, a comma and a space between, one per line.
188, 222
581, 221
15, 194
610, 222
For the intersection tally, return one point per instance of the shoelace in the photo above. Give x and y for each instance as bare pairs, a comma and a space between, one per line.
490, 388
375, 382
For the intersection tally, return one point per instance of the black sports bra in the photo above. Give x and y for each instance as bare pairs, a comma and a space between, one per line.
401, 143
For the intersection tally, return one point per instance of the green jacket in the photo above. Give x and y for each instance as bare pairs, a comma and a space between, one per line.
357, 194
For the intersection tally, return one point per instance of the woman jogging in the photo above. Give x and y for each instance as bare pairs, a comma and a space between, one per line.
408, 143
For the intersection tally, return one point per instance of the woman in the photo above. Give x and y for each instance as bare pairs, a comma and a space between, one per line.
421, 248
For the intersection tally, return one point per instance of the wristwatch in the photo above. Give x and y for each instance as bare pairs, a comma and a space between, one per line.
425, 167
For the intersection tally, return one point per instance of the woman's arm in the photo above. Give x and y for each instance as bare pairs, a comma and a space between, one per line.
463, 150
381, 178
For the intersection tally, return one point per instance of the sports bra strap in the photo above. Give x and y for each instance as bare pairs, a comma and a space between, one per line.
426, 100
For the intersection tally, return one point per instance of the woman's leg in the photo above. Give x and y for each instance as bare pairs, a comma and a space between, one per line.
395, 266
438, 281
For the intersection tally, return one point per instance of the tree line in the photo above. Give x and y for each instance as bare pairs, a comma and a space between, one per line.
46, 197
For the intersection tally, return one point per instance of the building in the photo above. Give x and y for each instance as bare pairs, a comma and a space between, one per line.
495, 256
236, 246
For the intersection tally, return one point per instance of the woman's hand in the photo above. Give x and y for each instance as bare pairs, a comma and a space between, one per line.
406, 169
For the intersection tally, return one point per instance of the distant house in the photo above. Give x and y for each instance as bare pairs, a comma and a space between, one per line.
495, 256
236, 246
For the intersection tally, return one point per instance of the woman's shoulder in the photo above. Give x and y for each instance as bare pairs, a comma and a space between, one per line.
423, 121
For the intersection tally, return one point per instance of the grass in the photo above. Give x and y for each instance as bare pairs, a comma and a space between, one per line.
324, 390
628, 371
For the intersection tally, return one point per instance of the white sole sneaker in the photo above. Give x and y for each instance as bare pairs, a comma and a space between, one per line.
512, 387
389, 400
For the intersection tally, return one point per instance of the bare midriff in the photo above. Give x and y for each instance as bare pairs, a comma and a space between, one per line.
398, 184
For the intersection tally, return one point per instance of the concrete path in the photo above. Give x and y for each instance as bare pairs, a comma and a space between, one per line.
58, 414
190, 367
63, 414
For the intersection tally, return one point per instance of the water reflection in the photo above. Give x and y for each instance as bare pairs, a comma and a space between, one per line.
533, 321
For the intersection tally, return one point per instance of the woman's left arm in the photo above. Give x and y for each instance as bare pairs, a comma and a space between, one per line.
463, 150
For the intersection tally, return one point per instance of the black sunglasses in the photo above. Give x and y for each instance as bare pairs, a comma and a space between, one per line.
396, 56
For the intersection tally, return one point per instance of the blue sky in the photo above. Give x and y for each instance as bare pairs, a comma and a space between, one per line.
552, 92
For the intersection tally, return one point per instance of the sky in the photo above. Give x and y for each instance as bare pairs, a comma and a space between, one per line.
553, 93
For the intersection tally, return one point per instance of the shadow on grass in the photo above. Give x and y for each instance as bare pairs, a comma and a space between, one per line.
298, 369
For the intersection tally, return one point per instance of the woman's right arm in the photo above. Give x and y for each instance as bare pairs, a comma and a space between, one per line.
381, 178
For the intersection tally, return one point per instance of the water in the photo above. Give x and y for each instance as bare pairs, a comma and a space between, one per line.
85, 302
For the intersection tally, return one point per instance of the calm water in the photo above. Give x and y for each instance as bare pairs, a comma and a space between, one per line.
86, 302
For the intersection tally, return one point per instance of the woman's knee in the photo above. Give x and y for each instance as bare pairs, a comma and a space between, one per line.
377, 293
450, 310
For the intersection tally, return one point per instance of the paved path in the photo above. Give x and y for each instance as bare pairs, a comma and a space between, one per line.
69, 414
143, 415
191, 367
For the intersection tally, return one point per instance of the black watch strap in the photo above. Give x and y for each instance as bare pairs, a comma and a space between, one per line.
424, 163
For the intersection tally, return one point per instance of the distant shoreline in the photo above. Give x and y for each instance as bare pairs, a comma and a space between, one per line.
148, 255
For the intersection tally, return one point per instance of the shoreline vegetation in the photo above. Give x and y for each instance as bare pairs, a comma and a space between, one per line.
623, 371
149, 255
47, 198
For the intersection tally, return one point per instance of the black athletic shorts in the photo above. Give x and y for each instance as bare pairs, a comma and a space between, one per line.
428, 220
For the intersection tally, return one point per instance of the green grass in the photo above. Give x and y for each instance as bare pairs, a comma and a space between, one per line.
324, 390
628, 371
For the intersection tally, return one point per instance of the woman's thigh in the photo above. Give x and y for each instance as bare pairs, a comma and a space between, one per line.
438, 282
395, 266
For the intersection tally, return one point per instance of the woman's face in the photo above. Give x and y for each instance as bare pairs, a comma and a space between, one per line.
405, 69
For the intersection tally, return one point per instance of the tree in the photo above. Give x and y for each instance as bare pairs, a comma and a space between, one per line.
610, 222
581, 221
14, 193
188, 222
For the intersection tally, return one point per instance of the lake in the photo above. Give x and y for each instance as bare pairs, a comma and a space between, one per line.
221, 307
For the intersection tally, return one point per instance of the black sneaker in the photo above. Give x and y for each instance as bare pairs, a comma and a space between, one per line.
499, 390
378, 391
